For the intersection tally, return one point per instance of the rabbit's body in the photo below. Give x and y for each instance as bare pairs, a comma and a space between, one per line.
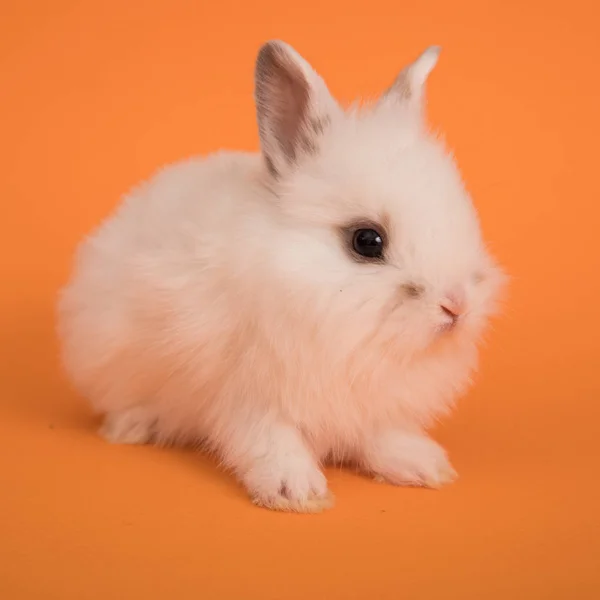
222, 304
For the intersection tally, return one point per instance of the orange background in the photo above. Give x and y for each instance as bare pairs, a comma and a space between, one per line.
96, 95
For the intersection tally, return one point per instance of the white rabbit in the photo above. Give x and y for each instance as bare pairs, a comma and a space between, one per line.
320, 301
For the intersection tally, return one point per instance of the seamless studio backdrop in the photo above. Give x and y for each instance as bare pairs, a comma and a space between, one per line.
96, 95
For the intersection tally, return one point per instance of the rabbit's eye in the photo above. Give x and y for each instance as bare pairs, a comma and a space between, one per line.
368, 243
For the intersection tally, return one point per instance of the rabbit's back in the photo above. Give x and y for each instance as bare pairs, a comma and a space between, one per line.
137, 279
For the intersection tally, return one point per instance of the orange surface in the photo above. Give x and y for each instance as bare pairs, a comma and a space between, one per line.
96, 95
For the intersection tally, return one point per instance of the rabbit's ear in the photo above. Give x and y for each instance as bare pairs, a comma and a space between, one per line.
293, 106
409, 86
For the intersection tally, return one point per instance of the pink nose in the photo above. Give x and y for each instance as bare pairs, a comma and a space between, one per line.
453, 305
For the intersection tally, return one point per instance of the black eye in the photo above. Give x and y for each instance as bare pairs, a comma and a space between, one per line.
368, 243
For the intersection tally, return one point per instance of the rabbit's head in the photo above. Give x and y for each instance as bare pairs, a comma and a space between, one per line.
378, 236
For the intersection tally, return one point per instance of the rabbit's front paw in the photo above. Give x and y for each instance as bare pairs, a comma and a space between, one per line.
288, 479
409, 459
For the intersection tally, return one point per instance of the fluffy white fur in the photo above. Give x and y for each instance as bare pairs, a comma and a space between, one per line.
221, 303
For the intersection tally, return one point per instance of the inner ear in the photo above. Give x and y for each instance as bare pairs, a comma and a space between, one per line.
290, 116
282, 97
409, 86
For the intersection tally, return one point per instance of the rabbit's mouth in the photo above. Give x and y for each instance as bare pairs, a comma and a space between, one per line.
447, 327
451, 322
